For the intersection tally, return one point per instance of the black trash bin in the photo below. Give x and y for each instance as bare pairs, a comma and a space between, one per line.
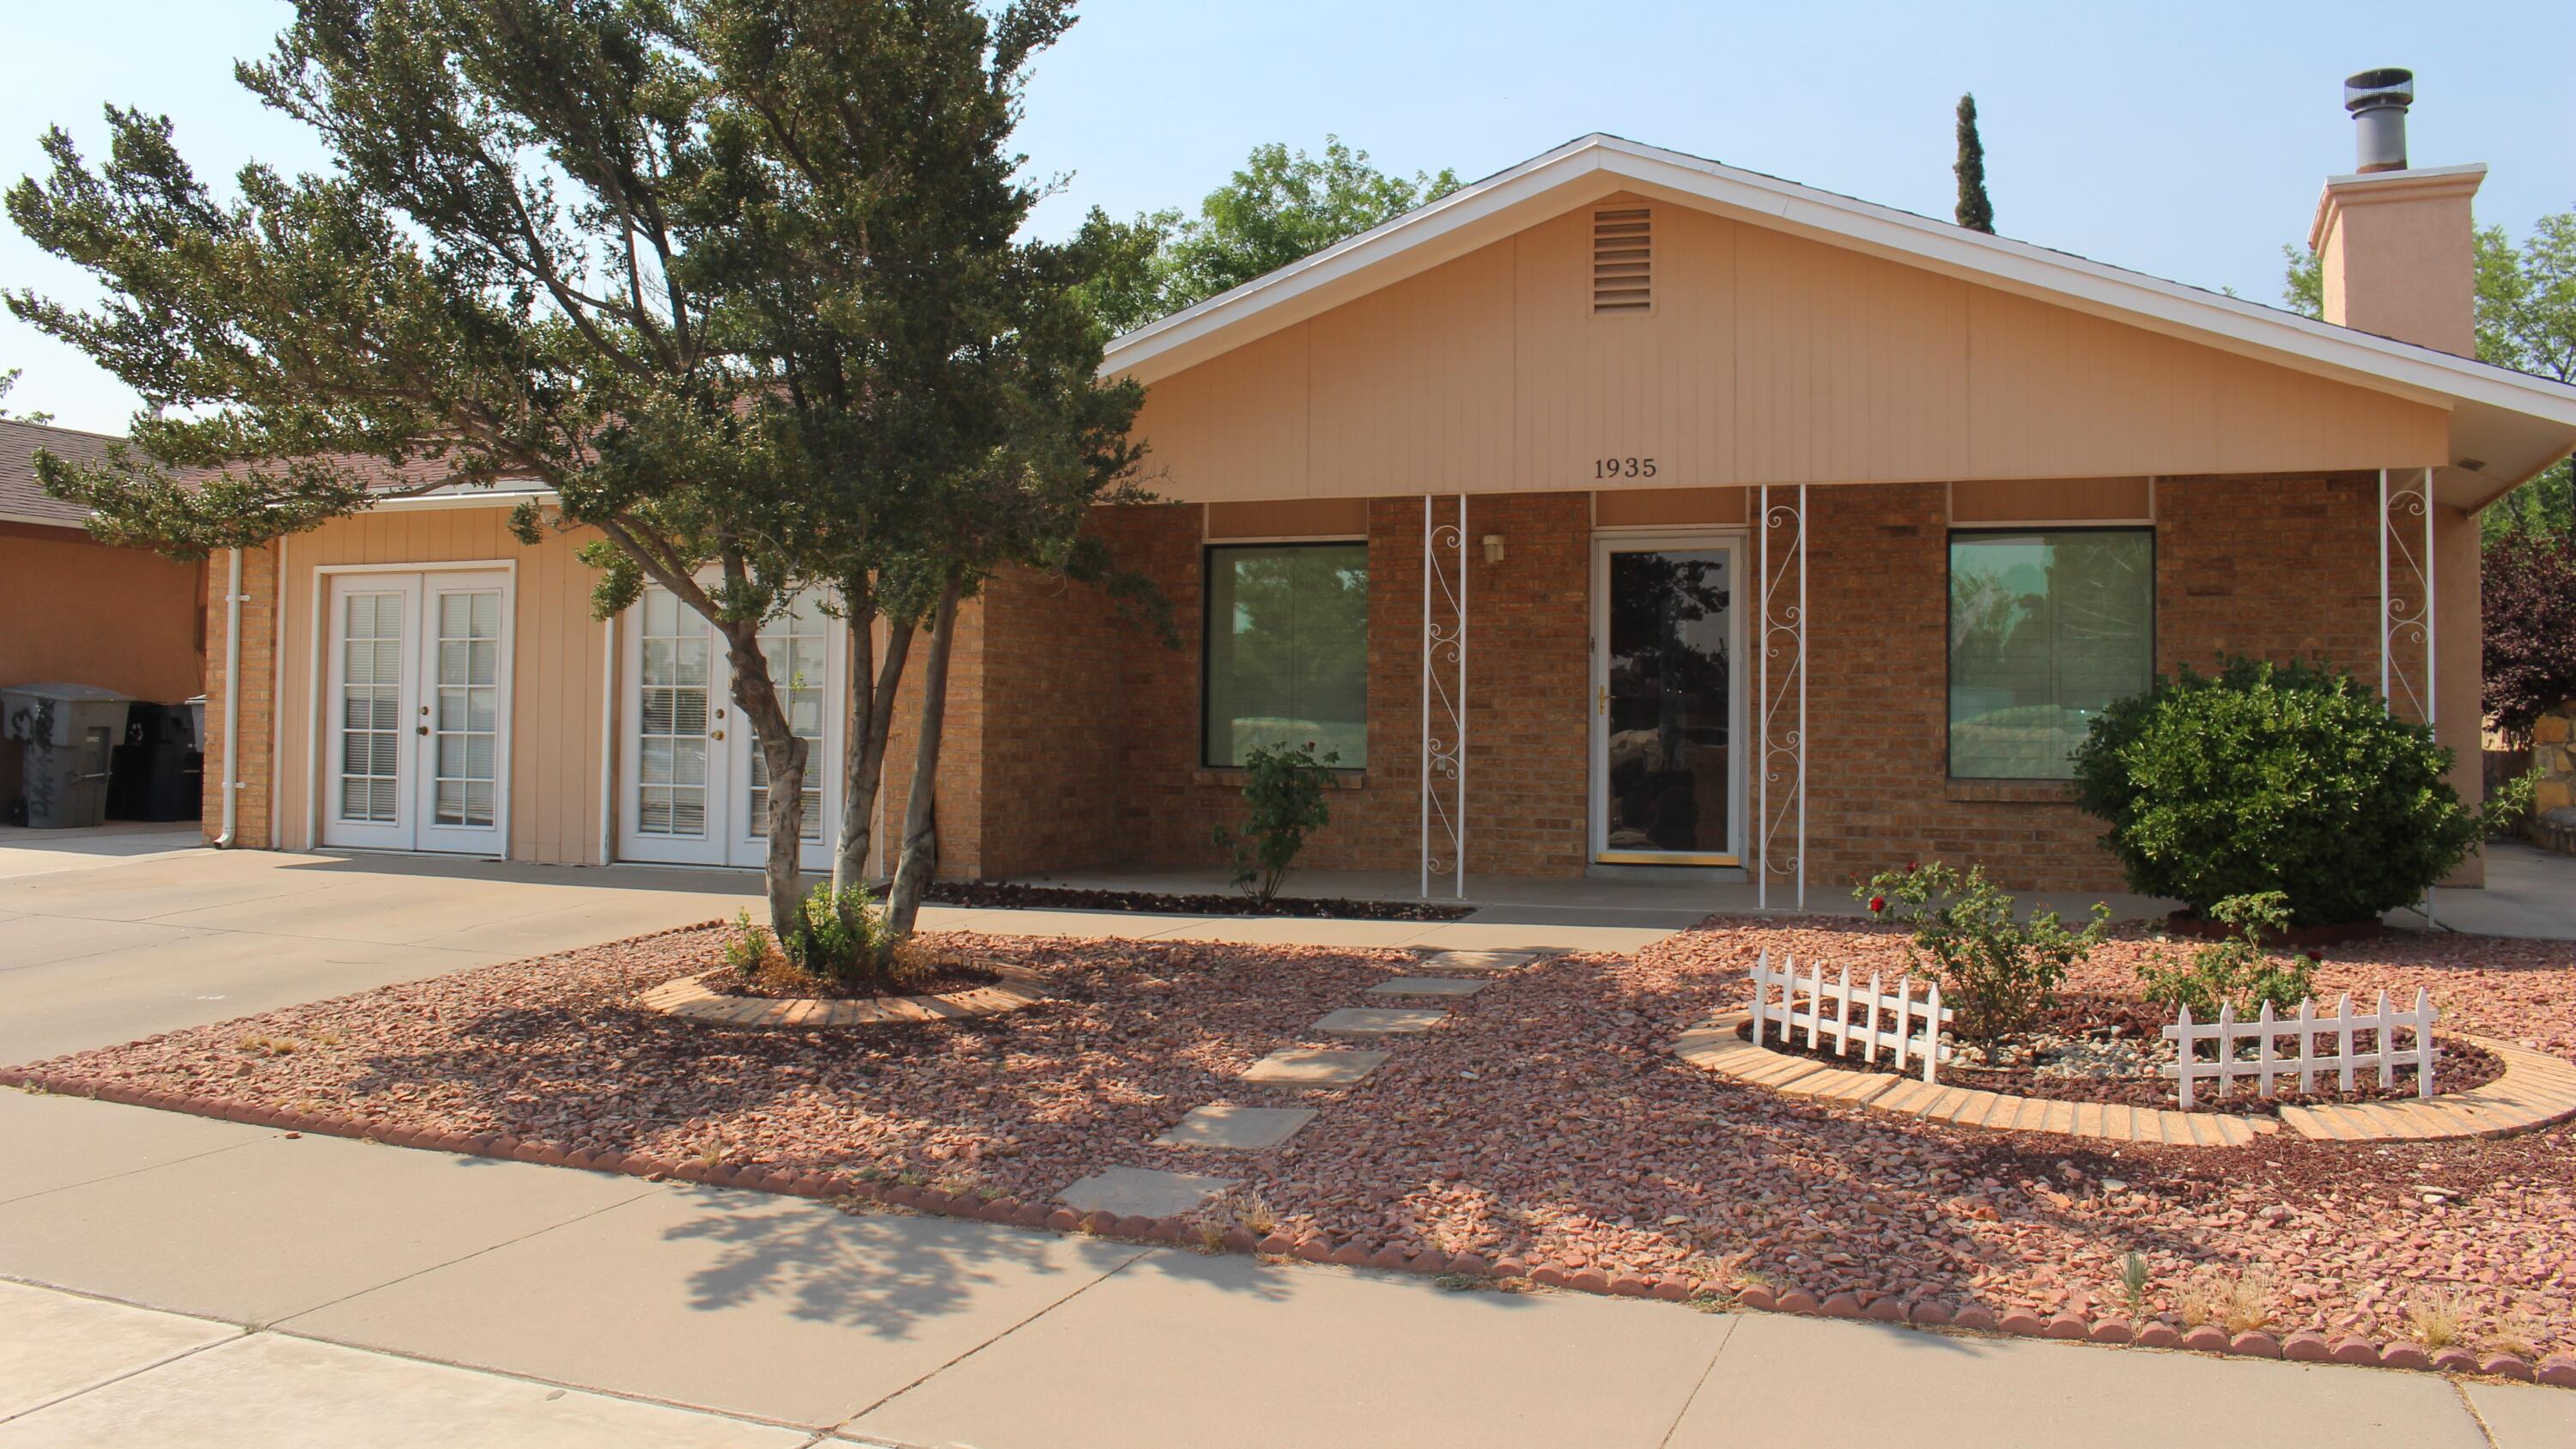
158, 771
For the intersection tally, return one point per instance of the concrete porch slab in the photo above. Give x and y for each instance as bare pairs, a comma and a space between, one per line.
1428, 986
1378, 1021
1310, 1068
1141, 1192
1236, 1129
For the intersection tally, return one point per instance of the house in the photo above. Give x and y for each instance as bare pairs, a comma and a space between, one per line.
74, 610
1624, 511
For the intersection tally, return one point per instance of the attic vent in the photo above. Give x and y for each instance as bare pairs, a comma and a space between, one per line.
1623, 260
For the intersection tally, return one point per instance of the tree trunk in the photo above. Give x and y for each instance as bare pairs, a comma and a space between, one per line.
869, 712
920, 830
783, 756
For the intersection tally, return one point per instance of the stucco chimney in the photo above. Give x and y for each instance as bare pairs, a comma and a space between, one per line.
2395, 242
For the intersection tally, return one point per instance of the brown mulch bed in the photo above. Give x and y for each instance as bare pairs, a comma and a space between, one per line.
1005, 895
1547, 1116
2459, 1068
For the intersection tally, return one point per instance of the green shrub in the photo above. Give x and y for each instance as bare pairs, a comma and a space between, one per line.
1285, 797
843, 938
1998, 971
2286, 778
2510, 808
2234, 971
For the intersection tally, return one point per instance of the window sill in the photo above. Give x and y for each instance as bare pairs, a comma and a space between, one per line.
2013, 792
1236, 777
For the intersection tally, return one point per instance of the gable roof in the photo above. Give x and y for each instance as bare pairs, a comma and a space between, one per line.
22, 498
2512, 424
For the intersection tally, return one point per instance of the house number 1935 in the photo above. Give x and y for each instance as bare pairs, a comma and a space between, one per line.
1623, 468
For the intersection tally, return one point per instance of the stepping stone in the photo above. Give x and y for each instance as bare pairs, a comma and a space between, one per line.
1485, 962
1142, 1192
1239, 1129
1307, 1067
1378, 1020
1428, 986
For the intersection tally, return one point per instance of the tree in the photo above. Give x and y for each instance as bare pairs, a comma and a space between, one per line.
8, 380
2526, 320
2527, 591
1974, 212
689, 265
1278, 208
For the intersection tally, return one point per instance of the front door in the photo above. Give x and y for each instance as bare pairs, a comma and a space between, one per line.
417, 711
1667, 716
695, 789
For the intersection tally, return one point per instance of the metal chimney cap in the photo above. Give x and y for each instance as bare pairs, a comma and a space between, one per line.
2373, 90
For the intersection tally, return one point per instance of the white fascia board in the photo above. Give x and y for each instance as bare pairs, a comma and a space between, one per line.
498, 496
2164, 306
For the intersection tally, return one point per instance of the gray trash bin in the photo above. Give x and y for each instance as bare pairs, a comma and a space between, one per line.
69, 732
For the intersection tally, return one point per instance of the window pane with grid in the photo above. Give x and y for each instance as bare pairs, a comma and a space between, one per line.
370, 707
671, 756
794, 646
466, 717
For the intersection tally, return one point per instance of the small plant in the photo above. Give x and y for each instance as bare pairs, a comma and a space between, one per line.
1284, 793
1462, 1283
2438, 1321
2237, 1304
2135, 1278
2235, 971
1997, 970
747, 949
2510, 808
2273, 777
842, 938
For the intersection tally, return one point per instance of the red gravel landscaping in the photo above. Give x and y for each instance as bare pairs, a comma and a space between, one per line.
1546, 1118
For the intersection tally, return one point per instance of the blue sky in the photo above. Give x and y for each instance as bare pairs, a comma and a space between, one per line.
2182, 140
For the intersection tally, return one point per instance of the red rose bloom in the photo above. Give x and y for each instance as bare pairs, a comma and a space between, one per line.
1877, 904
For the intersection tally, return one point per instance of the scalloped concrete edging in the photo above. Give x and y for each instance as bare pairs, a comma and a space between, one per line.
2305, 1345
2536, 1090
688, 998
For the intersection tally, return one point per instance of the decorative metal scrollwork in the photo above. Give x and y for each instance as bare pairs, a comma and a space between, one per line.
2406, 594
1444, 698
1780, 697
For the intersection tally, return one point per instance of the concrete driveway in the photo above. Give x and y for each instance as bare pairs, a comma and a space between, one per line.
109, 935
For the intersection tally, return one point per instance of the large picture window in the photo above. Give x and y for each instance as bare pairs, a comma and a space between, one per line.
1287, 650
2046, 630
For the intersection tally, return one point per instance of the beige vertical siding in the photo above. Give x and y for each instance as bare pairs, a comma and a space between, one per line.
1766, 358
555, 676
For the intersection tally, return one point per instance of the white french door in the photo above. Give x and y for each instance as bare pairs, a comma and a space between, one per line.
416, 711
693, 787
1668, 763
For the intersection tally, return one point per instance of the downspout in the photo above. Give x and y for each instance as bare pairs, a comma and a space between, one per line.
232, 700
608, 742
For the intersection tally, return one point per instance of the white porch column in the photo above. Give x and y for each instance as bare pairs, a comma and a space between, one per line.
2406, 603
1780, 707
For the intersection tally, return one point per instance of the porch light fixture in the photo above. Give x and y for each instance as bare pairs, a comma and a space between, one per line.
1493, 548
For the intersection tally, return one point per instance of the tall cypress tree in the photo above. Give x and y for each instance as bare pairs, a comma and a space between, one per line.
1975, 212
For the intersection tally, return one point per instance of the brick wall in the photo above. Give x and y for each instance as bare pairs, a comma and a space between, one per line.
258, 704
1085, 729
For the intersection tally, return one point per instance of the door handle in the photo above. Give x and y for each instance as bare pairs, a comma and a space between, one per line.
715, 734
421, 729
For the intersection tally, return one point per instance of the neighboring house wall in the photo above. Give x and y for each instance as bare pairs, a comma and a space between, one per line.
1767, 358
83, 612
77, 611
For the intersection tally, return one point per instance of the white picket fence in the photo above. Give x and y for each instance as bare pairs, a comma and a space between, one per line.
1789, 1016
2269, 1063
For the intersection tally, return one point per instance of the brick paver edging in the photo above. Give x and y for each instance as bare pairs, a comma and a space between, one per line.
2307, 1345
2536, 1090
690, 998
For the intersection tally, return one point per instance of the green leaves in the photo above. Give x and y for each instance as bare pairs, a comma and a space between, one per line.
1284, 795
2286, 778
1998, 970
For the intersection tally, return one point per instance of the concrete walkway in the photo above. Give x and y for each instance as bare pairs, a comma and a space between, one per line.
336, 1292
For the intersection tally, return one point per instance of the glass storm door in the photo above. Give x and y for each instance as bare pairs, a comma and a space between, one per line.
694, 788
417, 696
1666, 773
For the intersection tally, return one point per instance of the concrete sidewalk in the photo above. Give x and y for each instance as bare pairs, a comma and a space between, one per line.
334, 1292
